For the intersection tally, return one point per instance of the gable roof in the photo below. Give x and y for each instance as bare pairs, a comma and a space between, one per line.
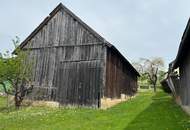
183, 48
62, 7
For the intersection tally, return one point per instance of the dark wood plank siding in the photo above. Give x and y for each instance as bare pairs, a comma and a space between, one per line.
184, 90
120, 79
74, 65
61, 30
64, 42
79, 83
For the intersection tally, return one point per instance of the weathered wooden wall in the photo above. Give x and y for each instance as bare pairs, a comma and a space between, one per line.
73, 65
120, 78
68, 62
79, 83
184, 90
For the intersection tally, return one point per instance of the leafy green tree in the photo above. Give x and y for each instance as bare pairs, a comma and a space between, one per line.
17, 70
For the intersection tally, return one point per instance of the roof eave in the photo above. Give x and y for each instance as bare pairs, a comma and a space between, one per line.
115, 49
182, 46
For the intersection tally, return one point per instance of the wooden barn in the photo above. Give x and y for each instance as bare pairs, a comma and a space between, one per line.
74, 65
182, 64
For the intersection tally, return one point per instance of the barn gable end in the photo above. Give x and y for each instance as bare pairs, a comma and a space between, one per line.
70, 62
63, 47
61, 28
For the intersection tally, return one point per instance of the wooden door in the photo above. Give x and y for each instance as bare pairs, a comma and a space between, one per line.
79, 84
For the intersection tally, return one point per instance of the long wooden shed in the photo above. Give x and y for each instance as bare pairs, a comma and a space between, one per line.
182, 62
74, 65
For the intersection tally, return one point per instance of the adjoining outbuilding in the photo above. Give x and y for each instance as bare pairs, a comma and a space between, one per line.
74, 65
179, 72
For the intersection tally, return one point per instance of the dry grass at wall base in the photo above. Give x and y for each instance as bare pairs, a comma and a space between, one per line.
109, 102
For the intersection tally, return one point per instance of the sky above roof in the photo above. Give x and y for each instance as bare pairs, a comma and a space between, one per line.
138, 28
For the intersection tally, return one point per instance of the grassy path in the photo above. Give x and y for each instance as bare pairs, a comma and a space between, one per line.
147, 111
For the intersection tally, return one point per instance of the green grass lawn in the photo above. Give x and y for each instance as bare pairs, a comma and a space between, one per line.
147, 111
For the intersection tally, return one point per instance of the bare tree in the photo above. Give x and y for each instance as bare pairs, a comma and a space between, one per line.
152, 68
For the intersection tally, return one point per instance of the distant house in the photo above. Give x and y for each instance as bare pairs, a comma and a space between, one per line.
74, 65
181, 86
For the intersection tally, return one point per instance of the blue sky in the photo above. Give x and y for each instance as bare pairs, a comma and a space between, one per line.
138, 28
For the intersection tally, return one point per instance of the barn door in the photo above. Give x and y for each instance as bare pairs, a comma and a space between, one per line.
79, 83
66, 83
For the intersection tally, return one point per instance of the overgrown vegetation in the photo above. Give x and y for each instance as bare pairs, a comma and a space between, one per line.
148, 111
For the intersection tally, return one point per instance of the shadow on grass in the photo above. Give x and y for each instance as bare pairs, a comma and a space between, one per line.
162, 114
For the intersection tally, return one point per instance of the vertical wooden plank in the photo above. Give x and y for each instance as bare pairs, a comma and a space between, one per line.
104, 68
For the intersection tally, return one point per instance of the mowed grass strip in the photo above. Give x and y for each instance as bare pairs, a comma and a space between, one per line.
148, 111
